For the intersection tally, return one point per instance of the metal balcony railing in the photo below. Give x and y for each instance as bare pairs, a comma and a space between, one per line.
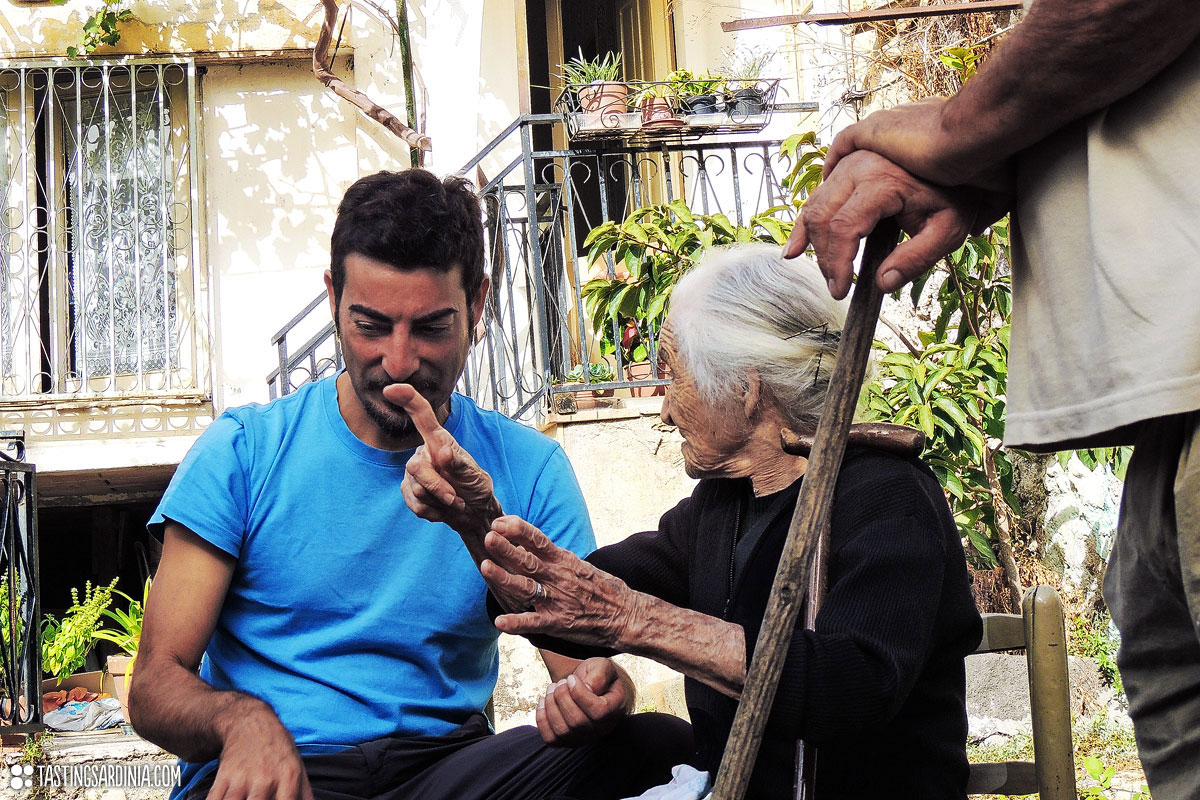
539, 208
20, 643
99, 236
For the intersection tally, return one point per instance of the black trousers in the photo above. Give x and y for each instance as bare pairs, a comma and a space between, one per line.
472, 763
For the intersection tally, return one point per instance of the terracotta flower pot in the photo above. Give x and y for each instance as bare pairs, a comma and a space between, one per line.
603, 98
644, 371
657, 111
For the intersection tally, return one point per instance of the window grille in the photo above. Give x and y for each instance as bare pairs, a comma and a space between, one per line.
99, 244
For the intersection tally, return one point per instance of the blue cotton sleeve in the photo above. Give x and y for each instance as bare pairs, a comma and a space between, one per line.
557, 507
209, 492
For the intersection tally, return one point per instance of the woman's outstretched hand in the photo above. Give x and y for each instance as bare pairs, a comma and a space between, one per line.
579, 603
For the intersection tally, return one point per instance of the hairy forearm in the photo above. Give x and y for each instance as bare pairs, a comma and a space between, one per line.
704, 648
172, 707
1064, 61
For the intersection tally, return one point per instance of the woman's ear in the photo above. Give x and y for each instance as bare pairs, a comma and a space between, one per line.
752, 398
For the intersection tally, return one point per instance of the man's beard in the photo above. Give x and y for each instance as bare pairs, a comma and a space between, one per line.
393, 421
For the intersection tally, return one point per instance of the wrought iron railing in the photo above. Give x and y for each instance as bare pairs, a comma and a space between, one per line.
539, 208
648, 112
99, 236
20, 642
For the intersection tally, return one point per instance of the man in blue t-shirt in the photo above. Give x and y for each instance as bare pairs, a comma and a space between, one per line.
307, 635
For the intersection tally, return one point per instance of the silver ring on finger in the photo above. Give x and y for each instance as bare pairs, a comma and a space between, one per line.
539, 593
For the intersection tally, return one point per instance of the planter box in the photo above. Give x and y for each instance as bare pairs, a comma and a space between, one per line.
98, 682
712, 120
622, 121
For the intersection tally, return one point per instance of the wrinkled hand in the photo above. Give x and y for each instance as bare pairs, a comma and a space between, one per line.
442, 483
585, 705
908, 135
864, 189
259, 761
583, 604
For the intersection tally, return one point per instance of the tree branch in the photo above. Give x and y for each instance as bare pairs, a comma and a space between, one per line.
322, 69
900, 335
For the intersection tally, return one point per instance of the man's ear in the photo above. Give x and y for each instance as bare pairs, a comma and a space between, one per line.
333, 311
480, 301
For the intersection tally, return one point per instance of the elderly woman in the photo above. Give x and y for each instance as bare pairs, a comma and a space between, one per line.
878, 686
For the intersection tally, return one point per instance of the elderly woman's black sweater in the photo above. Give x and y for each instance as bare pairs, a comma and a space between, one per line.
879, 685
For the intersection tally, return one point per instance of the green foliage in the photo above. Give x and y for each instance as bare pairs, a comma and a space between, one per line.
33, 749
1103, 775
596, 373
1116, 457
580, 71
686, 84
648, 252
808, 160
129, 622
963, 60
1095, 638
101, 27
954, 393
66, 643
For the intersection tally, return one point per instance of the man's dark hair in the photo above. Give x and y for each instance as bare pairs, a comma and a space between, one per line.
410, 220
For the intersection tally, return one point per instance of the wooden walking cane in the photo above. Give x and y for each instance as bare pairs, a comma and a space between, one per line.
810, 521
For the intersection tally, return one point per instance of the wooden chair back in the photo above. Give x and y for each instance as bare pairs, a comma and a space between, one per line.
1040, 632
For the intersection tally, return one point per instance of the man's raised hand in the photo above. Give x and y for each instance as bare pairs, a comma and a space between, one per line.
863, 189
442, 483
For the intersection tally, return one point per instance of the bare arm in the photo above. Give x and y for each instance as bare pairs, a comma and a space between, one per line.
1064, 61
171, 706
587, 605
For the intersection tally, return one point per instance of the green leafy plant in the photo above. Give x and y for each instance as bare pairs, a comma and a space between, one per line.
963, 60
1094, 637
101, 28
650, 250
595, 372
580, 71
686, 84
1103, 775
66, 643
33, 749
128, 633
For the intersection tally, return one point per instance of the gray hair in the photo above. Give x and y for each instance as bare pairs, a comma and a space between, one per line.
744, 307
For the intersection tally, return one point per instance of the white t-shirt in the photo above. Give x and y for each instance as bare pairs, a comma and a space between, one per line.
1106, 268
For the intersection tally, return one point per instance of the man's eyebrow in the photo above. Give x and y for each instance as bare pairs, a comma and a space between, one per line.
434, 316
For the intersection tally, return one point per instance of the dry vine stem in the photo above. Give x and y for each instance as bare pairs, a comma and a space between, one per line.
324, 72
809, 519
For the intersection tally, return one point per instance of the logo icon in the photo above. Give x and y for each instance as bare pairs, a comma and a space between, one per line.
19, 776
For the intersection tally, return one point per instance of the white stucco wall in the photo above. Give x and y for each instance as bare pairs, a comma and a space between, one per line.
277, 151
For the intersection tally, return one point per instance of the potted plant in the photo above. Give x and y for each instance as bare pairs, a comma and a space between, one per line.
747, 98
67, 642
657, 102
570, 402
597, 83
698, 94
126, 636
